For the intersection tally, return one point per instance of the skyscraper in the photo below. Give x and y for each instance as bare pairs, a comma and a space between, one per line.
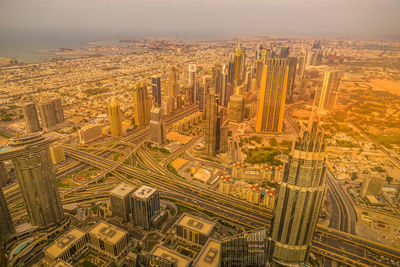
31, 118
58, 110
3, 174
47, 115
157, 126
120, 201
145, 204
238, 64
156, 89
172, 88
114, 114
192, 81
141, 104
272, 96
212, 130
299, 197
31, 159
6, 224
292, 63
329, 90
284, 52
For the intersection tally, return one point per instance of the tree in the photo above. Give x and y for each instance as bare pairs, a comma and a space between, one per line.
354, 176
273, 142
389, 179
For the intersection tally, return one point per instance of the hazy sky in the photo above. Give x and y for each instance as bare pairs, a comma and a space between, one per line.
294, 17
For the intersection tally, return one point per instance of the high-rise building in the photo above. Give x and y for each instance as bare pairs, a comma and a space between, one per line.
291, 63
203, 90
194, 230
120, 202
141, 104
58, 110
238, 64
172, 88
31, 118
329, 90
192, 81
145, 205
236, 108
216, 79
57, 153
302, 66
284, 52
47, 115
6, 224
114, 114
89, 132
156, 89
372, 185
31, 159
157, 126
299, 197
272, 96
211, 125
246, 249
259, 70
3, 174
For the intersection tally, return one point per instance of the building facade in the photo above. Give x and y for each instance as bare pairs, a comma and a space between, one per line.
141, 107
120, 201
31, 118
145, 205
157, 126
6, 224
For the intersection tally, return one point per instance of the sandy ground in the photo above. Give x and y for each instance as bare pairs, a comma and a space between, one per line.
386, 85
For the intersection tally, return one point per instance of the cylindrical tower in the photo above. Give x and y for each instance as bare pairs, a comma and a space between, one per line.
6, 224
32, 163
300, 194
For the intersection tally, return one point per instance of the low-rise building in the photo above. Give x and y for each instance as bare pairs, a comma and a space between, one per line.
89, 133
210, 254
109, 240
57, 154
225, 185
66, 247
176, 258
194, 230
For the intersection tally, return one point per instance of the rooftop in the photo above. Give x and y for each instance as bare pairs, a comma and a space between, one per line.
122, 190
144, 192
64, 242
209, 255
171, 255
107, 232
196, 224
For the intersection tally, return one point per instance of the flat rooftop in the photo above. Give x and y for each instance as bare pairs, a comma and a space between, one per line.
64, 242
122, 190
108, 233
171, 255
210, 254
196, 224
61, 263
144, 192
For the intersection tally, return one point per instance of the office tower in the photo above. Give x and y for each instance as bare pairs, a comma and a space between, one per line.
238, 64
141, 104
120, 202
58, 110
231, 70
236, 108
329, 90
47, 115
246, 249
272, 96
291, 63
203, 90
189, 96
89, 132
302, 66
172, 88
157, 126
31, 118
192, 81
57, 153
3, 174
259, 70
6, 224
225, 89
299, 197
145, 205
284, 52
156, 89
211, 125
31, 159
114, 114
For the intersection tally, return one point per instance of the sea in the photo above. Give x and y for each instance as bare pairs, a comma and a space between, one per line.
24, 44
